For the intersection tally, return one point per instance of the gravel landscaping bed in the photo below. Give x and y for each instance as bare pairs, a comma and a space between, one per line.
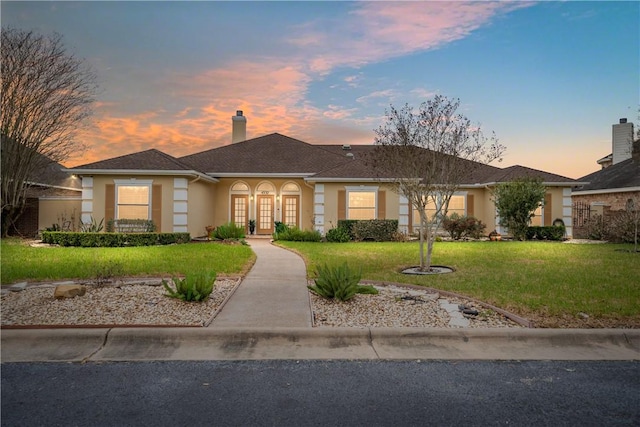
395, 307
131, 305
145, 304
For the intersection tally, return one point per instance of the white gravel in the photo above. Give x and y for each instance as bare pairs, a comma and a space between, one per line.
400, 307
145, 304
111, 305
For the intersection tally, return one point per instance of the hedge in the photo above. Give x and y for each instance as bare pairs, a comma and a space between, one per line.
88, 240
552, 232
379, 230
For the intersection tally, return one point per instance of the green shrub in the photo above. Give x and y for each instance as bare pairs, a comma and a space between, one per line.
340, 282
378, 230
229, 231
348, 224
92, 227
294, 234
463, 226
339, 235
552, 232
89, 240
280, 227
194, 287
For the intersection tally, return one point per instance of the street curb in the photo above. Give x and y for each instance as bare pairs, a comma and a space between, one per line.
146, 344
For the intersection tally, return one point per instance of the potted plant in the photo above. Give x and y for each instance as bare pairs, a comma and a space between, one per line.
252, 225
494, 236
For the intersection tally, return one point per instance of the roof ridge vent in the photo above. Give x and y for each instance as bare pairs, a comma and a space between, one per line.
346, 146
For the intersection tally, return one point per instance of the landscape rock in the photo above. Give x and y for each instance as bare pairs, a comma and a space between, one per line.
69, 291
18, 287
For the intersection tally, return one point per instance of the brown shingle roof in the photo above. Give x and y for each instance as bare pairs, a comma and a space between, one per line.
269, 154
621, 175
280, 154
152, 160
517, 171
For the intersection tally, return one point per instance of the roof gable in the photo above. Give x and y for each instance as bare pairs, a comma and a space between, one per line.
151, 160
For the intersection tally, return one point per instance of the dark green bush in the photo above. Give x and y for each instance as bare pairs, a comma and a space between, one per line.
552, 232
113, 239
378, 230
339, 235
463, 226
229, 231
194, 287
340, 282
280, 227
348, 224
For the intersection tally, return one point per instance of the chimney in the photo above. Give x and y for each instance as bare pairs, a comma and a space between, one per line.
239, 127
622, 141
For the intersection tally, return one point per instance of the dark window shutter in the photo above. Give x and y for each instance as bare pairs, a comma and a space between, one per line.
156, 206
547, 210
470, 206
342, 202
382, 204
109, 202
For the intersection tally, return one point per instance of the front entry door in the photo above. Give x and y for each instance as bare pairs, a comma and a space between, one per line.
240, 210
265, 214
291, 210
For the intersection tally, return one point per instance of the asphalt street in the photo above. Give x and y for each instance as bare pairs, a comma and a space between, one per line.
321, 393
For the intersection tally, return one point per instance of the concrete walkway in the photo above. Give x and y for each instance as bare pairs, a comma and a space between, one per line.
274, 293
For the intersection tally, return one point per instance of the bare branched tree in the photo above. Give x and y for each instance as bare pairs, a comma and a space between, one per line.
46, 95
426, 155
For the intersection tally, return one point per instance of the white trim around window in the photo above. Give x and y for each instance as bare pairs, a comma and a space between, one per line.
148, 183
361, 211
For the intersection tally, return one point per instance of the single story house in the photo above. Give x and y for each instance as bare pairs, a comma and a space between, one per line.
610, 188
279, 178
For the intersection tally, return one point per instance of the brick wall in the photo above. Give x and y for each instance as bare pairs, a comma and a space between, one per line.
615, 201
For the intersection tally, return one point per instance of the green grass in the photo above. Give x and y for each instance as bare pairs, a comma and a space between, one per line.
20, 262
550, 283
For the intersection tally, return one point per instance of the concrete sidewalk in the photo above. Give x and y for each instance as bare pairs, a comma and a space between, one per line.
274, 293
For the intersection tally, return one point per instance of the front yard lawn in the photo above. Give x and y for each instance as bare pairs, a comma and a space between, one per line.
553, 284
21, 262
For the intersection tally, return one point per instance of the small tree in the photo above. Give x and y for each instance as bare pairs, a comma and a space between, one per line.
425, 156
516, 202
46, 94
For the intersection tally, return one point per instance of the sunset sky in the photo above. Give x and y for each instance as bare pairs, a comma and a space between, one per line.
549, 78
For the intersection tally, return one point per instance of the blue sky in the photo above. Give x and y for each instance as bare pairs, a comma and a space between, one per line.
549, 78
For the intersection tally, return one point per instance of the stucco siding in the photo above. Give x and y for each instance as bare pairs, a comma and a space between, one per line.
56, 210
200, 207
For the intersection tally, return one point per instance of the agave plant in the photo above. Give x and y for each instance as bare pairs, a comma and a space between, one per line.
194, 287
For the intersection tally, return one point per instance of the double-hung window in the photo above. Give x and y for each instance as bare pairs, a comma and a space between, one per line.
362, 202
133, 201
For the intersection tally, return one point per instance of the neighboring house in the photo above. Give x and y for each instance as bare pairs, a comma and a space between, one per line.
53, 197
278, 178
610, 188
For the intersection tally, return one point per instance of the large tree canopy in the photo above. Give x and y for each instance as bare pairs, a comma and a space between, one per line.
46, 95
426, 155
